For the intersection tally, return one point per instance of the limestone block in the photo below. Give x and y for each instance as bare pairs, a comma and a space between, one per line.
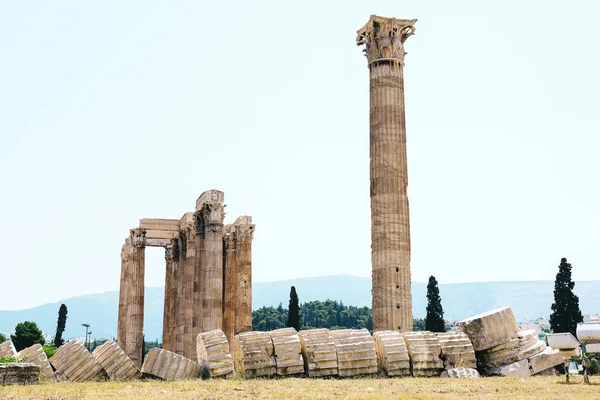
73, 361
213, 353
159, 224
210, 196
519, 368
7, 349
288, 351
424, 351
253, 354
491, 328
490, 361
319, 352
544, 360
392, 354
35, 355
19, 374
457, 350
355, 350
169, 366
460, 372
115, 362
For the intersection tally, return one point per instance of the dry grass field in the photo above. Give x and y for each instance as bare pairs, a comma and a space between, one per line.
295, 388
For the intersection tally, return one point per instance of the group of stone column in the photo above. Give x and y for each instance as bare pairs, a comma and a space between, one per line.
208, 281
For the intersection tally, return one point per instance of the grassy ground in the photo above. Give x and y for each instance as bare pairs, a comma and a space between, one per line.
295, 388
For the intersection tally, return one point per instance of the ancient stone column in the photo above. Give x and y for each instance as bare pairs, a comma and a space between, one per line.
179, 302
210, 215
230, 283
243, 230
190, 288
169, 313
131, 296
390, 229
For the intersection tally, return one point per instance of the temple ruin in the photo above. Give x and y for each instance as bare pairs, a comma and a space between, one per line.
208, 281
390, 228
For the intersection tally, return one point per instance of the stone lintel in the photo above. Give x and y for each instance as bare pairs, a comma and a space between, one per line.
160, 234
210, 196
243, 220
159, 224
187, 218
158, 242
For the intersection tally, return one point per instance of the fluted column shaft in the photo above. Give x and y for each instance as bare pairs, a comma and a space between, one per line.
390, 227
169, 313
190, 289
230, 283
180, 292
131, 297
244, 231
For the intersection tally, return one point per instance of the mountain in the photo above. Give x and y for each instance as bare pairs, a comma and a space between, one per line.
460, 300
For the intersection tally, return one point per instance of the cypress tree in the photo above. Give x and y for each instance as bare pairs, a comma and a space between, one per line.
60, 325
565, 309
434, 321
294, 310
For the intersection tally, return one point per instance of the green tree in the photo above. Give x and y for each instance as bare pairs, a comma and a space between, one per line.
434, 321
60, 325
294, 310
27, 334
565, 309
3, 338
418, 324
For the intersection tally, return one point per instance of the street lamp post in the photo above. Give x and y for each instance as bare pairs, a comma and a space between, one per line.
87, 326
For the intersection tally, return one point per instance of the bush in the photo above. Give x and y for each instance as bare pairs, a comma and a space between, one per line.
3, 338
27, 334
49, 350
594, 367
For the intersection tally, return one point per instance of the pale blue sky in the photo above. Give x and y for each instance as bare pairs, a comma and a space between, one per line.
117, 110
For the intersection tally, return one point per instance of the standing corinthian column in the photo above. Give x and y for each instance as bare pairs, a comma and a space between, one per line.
390, 229
131, 297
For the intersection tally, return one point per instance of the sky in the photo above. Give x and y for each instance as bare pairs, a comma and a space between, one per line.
119, 110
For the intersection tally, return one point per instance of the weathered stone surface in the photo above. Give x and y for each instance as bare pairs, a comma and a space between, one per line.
169, 366
392, 354
425, 351
253, 354
75, 363
288, 351
457, 350
508, 356
355, 350
319, 352
7, 349
491, 328
35, 355
115, 362
213, 353
19, 374
544, 360
390, 225
460, 372
519, 368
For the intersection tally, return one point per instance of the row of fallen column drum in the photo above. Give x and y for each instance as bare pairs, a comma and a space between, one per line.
491, 342
282, 352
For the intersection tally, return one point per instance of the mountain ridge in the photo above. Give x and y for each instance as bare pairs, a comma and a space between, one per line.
528, 299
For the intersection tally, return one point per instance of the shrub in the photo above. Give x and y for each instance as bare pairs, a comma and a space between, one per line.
49, 350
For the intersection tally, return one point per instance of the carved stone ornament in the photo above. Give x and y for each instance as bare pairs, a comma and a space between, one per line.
212, 215
384, 38
138, 237
169, 253
244, 233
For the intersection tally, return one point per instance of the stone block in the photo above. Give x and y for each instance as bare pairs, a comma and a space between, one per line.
544, 360
288, 352
36, 355
115, 362
163, 364
75, 363
424, 351
19, 374
460, 372
213, 353
210, 196
160, 224
491, 328
355, 350
7, 349
319, 353
392, 354
519, 368
253, 355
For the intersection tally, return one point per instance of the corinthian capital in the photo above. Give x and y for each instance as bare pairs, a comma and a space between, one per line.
384, 38
138, 237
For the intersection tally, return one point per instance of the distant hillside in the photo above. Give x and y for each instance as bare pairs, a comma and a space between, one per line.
527, 299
